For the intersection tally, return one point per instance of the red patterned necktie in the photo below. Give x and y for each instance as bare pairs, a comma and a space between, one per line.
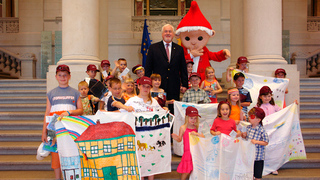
167, 51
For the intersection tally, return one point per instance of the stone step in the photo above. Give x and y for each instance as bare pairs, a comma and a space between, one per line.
309, 98
310, 105
309, 80
23, 87
20, 135
22, 93
312, 145
21, 115
21, 125
310, 133
310, 91
312, 161
23, 81
309, 114
19, 148
307, 85
23, 107
24, 163
23, 100
310, 123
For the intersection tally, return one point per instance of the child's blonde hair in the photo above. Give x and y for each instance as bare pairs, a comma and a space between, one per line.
187, 121
122, 59
231, 90
83, 83
114, 81
130, 80
207, 69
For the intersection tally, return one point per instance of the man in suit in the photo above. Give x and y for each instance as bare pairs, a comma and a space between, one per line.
172, 68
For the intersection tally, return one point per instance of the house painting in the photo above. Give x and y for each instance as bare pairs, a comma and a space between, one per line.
108, 151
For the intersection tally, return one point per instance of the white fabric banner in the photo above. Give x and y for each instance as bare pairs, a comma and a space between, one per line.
208, 113
253, 83
285, 138
153, 142
221, 157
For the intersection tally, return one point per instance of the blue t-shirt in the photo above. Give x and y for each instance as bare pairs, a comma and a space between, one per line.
245, 97
63, 99
111, 100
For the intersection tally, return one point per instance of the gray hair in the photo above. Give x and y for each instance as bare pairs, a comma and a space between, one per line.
167, 25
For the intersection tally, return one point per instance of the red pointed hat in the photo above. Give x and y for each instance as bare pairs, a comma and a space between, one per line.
194, 20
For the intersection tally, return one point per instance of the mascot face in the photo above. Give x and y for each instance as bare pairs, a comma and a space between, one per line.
194, 39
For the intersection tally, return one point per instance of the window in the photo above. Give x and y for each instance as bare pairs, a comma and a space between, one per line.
130, 145
83, 149
107, 148
133, 170
9, 8
120, 146
86, 172
94, 149
162, 7
125, 170
94, 173
313, 7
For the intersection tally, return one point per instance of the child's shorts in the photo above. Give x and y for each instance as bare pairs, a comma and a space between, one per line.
258, 169
55, 162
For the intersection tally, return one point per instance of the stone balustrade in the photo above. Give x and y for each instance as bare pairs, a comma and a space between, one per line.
313, 24
9, 25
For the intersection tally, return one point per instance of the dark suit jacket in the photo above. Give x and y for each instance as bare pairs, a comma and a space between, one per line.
173, 73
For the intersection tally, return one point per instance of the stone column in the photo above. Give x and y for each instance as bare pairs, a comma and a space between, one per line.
262, 31
80, 32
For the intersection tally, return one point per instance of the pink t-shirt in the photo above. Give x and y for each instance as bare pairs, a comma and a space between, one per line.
270, 109
224, 126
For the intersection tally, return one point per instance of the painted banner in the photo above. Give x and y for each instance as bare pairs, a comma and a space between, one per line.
153, 142
221, 157
253, 83
283, 128
285, 138
98, 147
208, 113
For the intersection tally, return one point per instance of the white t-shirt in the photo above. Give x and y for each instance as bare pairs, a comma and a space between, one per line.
140, 106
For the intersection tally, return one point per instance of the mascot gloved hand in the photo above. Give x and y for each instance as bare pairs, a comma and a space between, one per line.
194, 30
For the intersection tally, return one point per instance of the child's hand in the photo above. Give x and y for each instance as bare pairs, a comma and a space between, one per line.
53, 141
174, 136
230, 69
226, 53
44, 137
165, 108
170, 101
129, 109
64, 114
254, 141
238, 134
116, 64
296, 101
244, 135
183, 89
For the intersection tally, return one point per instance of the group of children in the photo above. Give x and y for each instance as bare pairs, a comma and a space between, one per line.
144, 94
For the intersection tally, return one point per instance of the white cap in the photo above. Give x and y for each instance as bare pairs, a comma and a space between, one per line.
41, 153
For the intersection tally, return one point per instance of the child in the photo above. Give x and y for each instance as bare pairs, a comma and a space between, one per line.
234, 99
121, 64
106, 71
211, 85
139, 71
240, 66
88, 101
130, 90
245, 97
144, 102
92, 72
104, 100
64, 101
115, 102
189, 70
223, 123
266, 102
281, 73
195, 94
258, 136
191, 126
156, 92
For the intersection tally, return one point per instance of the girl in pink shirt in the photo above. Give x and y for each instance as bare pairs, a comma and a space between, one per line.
266, 102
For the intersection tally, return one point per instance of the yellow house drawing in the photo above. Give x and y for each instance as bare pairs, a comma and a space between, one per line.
108, 151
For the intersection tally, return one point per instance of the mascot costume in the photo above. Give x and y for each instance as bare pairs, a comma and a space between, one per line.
194, 30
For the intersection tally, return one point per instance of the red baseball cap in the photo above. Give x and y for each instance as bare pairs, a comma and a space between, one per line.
194, 74
92, 67
192, 111
265, 90
280, 70
259, 113
242, 59
104, 62
109, 77
63, 67
145, 80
